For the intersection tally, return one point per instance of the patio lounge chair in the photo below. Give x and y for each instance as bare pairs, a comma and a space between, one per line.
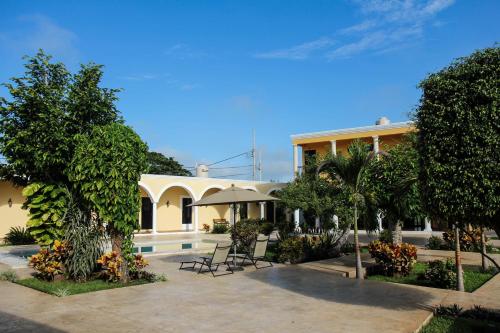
219, 257
258, 252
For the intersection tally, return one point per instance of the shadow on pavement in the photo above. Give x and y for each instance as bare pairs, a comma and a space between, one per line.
12, 323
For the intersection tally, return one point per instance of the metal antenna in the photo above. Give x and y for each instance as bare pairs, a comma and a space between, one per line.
253, 155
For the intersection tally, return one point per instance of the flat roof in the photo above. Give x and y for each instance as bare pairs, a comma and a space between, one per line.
353, 130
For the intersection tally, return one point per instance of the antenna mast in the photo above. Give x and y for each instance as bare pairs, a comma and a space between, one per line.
253, 155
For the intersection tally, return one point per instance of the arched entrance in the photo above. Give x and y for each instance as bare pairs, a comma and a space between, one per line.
173, 210
210, 214
146, 213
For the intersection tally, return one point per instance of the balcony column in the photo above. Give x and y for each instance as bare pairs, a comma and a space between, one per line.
428, 226
333, 143
375, 146
295, 161
262, 210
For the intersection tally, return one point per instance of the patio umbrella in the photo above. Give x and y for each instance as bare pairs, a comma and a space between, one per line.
232, 196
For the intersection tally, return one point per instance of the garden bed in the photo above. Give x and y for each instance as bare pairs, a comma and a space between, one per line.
445, 324
67, 287
473, 279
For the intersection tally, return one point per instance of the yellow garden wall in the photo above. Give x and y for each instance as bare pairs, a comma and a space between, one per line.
11, 216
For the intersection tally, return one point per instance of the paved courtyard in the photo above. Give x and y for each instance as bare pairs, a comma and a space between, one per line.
283, 298
293, 298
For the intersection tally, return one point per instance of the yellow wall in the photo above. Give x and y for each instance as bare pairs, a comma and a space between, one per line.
158, 188
322, 148
11, 216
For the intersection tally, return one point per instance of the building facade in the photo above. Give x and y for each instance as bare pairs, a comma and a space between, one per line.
164, 204
382, 135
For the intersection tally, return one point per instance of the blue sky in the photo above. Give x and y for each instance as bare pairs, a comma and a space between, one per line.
198, 76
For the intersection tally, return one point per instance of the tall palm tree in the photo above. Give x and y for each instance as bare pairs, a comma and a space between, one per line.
351, 174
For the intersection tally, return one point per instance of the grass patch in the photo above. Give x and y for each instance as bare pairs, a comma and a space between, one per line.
66, 287
443, 324
473, 279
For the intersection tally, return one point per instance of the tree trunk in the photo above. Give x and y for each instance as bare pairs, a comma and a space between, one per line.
359, 267
397, 234
458, 262
484, 262
117, 246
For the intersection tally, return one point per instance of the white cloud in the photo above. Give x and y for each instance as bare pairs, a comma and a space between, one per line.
387, 25
40, 32
298, 52
141, 77
242, 102
360, 27
183, 51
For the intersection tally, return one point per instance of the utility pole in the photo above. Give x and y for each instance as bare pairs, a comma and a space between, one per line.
260, 166
253, 155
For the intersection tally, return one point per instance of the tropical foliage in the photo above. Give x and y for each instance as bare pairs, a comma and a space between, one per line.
47, 205
441, 274
351, 175
49, 263
394, 259
18, 236
394, 178
105, 170
84, 235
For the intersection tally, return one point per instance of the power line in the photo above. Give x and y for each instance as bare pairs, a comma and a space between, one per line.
229, 158
232, 167
234, 175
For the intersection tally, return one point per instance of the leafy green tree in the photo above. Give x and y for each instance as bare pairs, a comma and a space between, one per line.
105, 170
352, 175
459, 143
47, 107
159, 164
395, 182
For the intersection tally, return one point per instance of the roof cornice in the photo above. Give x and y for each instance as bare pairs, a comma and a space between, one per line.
353, 130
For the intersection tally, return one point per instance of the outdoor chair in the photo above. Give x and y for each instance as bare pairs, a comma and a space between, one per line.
219, 257
258, 252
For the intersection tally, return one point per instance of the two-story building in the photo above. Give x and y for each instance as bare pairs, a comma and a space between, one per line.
382, 134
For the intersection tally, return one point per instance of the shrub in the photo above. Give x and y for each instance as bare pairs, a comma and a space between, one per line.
467, 239
111, 266
394, 259
448, 310
319, 247
434, 243
291, 249
18, 236
84, 236
244, 233
385, 236
206, 227
347, 247
8, 276
266, 228
49, 264
220, 228
440, 274
480, 313
285, 229
136, 266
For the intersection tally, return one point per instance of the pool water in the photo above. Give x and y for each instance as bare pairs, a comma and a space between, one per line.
174, 247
